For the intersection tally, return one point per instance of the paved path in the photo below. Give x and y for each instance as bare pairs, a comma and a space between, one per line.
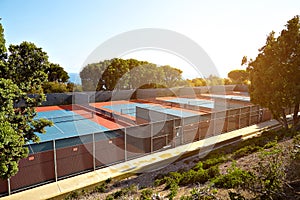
149, 162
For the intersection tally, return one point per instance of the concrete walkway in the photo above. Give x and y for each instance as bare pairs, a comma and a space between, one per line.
149, 162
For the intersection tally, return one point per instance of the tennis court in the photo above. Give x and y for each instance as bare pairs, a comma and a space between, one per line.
229, 97
68, 124
193, 102
130, 109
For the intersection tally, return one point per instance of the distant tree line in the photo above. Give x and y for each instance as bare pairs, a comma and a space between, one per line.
129, 74
132, 74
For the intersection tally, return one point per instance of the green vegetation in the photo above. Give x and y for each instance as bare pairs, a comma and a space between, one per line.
22, 71
146, 194
25, 75
128, 74
275, 74
239, 76
265, 179
234, 178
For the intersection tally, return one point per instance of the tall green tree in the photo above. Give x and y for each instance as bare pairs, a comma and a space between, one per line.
21, 72
275, 73
238, 76
56, 73
172, 76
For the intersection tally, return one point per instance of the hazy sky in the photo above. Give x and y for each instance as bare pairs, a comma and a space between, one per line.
69, 30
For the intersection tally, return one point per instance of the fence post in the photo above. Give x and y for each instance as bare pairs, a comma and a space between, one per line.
94, 153
151, 136
250, 115
8, 186
227, 117
182, 132
240, 118
125, 145
55, 161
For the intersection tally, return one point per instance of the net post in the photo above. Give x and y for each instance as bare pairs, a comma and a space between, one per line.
55, 160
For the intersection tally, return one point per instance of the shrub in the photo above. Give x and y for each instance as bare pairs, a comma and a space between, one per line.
176, 176
271, 144
107, 181
214, 161
109, 197
213, 172
247, 150
100, 188
72, 195
146, 194
235, 196
199, 193
173, 190
271, 175
234, 178
188, 177
159, 182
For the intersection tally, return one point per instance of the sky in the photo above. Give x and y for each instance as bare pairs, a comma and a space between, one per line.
70, 30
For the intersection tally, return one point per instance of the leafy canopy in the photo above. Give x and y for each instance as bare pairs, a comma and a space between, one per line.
128, 74
275, 73
22, 71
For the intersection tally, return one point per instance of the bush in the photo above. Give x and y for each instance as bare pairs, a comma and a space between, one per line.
188, 177
271, 144
72, 195
55, 87
159, 182
247, 150
146, 194
100, 188
271, 175
173, 190
214, 161
235, 178
107, 181
109, 197
235, 196
213, 172
199, 193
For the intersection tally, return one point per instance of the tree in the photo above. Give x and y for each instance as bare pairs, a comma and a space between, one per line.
21, 73
26, 67
57, 74
214, 80
238, 76
275, 73
128, 74
196, 82
172, 76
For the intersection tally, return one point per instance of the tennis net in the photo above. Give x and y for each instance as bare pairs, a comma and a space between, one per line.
126, 111
75, 117
197, 102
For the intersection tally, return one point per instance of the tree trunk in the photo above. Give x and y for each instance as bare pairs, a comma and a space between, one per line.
295, 115
284, 120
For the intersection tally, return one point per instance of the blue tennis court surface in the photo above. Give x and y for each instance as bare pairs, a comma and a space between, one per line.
130, 109
67, 127
233, 97
194, 102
